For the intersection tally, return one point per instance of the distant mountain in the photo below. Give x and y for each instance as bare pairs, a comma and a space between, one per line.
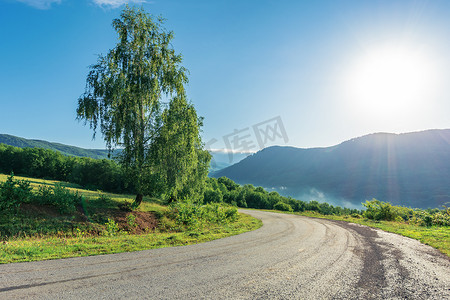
64, 149
411, 169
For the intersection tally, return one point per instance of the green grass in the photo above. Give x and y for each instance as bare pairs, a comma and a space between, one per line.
31, 249
434, 236
35, 183
49, 235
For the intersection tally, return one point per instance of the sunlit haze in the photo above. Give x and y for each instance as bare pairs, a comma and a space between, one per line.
392, 80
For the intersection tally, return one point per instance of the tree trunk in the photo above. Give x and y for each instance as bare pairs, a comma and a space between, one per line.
138, 200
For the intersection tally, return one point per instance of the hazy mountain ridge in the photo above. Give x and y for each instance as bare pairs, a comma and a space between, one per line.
411, 169
64, 149
222, 159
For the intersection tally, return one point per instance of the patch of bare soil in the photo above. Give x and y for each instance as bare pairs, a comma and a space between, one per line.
135, 222
40, 210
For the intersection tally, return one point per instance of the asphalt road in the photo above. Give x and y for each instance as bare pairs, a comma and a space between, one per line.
290, 257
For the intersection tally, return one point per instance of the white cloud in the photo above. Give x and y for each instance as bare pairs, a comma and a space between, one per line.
116, 3
40, 4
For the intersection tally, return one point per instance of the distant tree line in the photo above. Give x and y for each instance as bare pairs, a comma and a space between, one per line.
101, 174
226, 190
108, 175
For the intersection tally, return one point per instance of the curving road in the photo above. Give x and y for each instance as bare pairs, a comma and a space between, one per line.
290, 257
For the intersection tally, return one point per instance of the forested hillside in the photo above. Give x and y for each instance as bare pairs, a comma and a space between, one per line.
64, 149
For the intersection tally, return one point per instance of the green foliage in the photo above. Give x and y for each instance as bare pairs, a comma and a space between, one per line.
442, 218
131, 220
60, 148
59, 197
161, 147
194, 215
38, 232
82, 244
256, 199
225, 190
377, 210
210, 195
228, 183
13, 193
313, 206
104, 198
112, 228
282, 206
178, 162
94, 174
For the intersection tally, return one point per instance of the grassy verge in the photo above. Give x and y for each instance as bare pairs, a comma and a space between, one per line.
434, 236
30, 249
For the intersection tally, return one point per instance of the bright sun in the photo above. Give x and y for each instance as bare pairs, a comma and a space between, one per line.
391, 80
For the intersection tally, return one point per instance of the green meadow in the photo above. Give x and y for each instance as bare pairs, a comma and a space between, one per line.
99, 226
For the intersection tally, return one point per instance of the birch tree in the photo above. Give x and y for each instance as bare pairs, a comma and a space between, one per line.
124, 97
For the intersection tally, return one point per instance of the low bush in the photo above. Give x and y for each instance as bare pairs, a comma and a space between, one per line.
192, 215
282, 206
378, 210
59, 197
112, 228
442, 218
13, 193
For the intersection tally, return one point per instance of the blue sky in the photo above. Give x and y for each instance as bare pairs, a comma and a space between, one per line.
327, 71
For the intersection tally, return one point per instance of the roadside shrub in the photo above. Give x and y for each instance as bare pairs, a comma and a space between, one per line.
112, 228
403, 213
442, 218
211, 196
13, 193
426, 220
131, 220
194, 215
378, 210
312, 205
185, 213
282, 206
231, 213
219, 214
168, 224
59, 197
436, 218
